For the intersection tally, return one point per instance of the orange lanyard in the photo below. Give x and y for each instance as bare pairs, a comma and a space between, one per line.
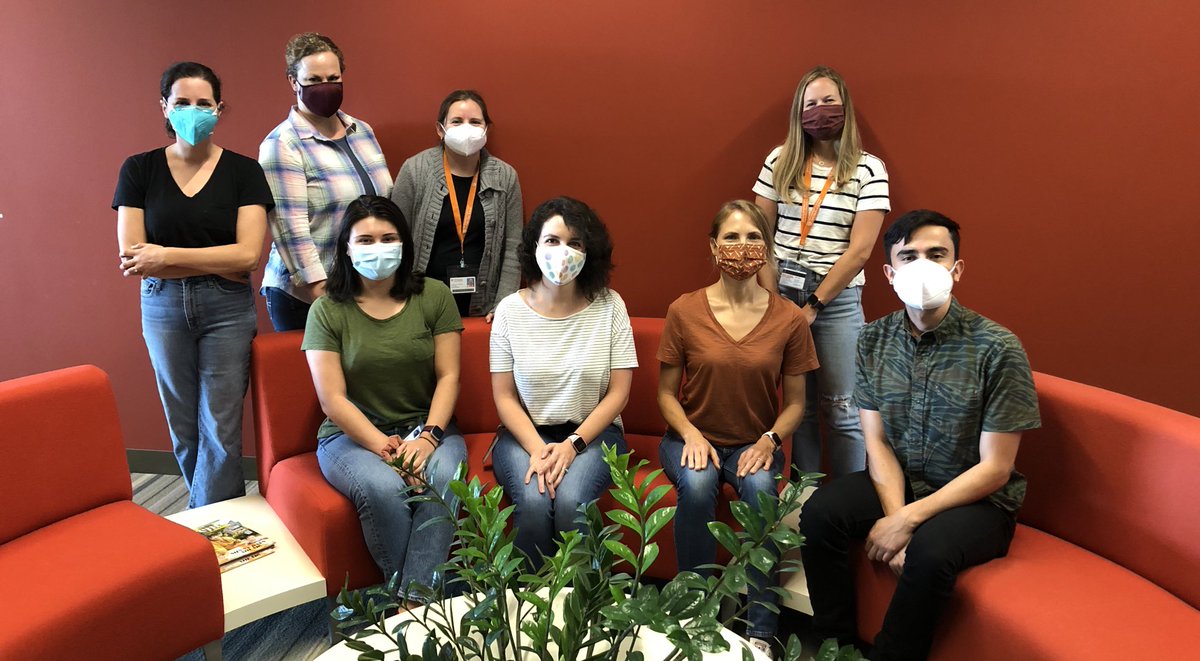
460, 223
807, 219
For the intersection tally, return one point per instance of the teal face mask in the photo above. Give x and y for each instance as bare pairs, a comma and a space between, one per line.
193, 123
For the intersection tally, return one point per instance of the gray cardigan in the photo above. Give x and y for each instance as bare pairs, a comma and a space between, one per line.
420, 191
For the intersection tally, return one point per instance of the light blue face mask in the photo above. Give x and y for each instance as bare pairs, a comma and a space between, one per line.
193, 123
376, 261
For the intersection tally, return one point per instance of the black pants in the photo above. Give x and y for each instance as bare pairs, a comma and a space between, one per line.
844, 510
286, 312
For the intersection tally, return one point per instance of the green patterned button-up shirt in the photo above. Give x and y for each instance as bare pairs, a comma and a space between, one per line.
938, 393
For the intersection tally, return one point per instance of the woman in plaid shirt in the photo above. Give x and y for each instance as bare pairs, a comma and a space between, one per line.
317, 161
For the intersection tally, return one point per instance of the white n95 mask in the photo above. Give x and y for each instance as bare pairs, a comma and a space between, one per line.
923, 284
465, 139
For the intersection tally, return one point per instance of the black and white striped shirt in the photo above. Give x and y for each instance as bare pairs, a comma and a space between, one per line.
830, 233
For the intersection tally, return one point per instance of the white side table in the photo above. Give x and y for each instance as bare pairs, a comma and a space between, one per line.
282, 580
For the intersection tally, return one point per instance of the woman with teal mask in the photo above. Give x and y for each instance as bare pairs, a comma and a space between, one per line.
191, 219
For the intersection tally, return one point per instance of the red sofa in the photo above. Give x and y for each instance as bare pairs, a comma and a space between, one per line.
1105, 563
287, 414
87, 573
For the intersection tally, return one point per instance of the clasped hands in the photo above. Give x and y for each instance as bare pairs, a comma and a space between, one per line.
143, 260
415, 452
888, 540
550, 464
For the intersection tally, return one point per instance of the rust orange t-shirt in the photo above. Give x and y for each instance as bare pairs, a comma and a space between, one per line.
731, 389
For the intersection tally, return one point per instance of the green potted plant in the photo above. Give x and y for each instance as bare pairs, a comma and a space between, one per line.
588, 600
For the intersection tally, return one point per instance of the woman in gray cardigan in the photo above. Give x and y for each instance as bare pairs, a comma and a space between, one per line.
464, 208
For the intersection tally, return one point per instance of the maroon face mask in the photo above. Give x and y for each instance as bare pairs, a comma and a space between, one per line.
323, 99
823, 122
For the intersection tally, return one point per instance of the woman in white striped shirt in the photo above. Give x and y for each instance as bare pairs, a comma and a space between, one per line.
825, 198
562, 359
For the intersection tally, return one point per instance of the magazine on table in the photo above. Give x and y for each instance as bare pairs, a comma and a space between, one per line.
234, 543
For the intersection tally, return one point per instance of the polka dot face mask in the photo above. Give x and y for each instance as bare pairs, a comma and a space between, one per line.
560, 264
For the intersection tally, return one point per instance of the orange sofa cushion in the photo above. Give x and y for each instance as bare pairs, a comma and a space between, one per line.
1118, 477
69, 412
1047, 600
117, 582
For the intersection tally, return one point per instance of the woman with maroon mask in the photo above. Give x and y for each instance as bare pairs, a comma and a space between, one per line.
825, 199
317, 161
737, 344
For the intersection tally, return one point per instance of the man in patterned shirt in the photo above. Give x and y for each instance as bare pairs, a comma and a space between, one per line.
944, 394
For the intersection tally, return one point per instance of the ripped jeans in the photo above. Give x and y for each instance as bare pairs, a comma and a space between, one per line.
835, 337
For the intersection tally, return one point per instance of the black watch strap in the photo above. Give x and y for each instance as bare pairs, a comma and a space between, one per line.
814, 302
436, 432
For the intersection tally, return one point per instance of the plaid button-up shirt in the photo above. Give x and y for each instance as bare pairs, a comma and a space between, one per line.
313, 180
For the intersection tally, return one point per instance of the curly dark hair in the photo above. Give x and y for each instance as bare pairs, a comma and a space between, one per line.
186, 70
344, 282
587, 227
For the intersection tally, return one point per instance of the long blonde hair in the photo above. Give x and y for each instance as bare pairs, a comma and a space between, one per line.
789, 167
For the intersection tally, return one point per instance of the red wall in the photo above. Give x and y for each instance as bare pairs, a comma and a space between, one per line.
1061, 135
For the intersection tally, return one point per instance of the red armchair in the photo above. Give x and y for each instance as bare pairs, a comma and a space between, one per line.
87, 573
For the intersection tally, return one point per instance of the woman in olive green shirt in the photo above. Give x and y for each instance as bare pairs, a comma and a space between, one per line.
383, 347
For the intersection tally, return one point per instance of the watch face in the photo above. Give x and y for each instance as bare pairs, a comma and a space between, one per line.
579, 443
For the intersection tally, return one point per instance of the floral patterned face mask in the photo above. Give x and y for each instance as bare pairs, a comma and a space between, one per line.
741, 260
560, 264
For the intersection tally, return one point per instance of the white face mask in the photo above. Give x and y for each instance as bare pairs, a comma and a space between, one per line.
465, 139
923, 284
560, 264
376, 261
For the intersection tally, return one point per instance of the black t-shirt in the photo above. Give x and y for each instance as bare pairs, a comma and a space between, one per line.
446, 251
207, 219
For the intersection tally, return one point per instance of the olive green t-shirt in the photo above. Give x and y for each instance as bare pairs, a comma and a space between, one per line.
388, 363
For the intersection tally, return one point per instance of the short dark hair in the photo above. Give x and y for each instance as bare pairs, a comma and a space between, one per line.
901, 230
344, 282
587, 227
462, 95
186, 70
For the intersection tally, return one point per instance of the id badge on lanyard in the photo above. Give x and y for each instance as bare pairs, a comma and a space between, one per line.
462, 278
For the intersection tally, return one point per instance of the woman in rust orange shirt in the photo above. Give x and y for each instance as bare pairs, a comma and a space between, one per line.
729, 345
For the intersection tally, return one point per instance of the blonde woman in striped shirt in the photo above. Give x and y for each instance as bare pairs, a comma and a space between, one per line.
562, 360
825, 199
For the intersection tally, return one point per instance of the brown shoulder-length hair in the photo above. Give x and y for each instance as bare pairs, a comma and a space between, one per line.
797, 149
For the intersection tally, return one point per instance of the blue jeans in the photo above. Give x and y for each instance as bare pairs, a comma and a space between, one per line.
392, 526
694, 544
831, 387
286, 311
539, 518
198, 332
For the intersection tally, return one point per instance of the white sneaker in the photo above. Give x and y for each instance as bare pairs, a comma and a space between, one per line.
763, 646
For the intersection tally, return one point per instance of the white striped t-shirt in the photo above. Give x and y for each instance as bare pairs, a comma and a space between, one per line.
561, 366
830, 234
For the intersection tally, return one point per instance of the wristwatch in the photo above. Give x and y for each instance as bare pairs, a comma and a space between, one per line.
815, 302
774, 438
435, 432
578, 443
